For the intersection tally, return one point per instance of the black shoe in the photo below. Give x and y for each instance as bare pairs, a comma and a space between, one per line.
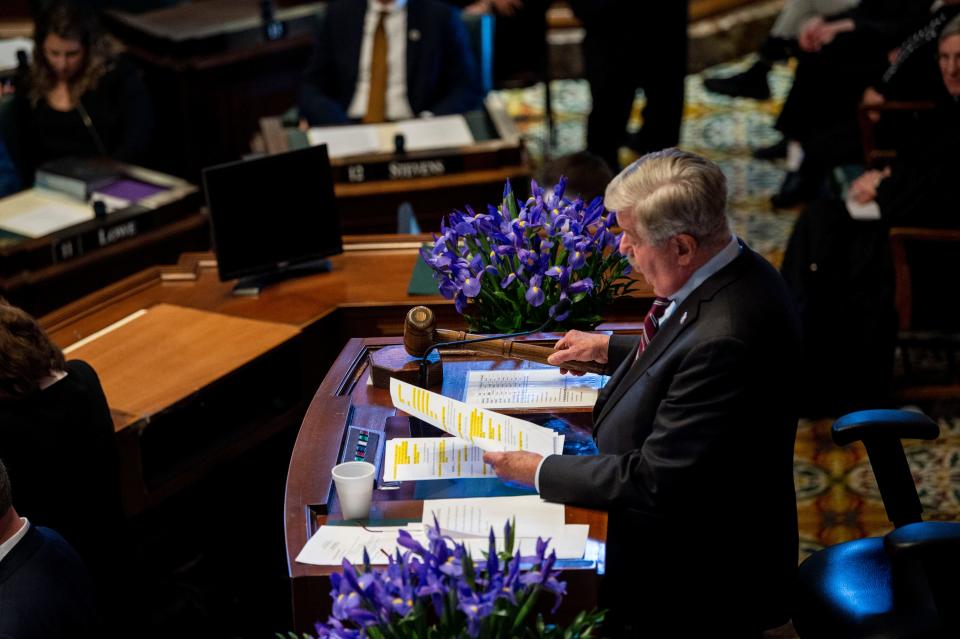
776, 151
752, 83
796, 189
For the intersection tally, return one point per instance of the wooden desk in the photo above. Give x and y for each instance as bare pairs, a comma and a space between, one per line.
345, 398
240, 396
43, 273
370, 187
156, 359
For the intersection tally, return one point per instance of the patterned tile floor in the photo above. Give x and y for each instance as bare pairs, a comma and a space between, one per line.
837, 494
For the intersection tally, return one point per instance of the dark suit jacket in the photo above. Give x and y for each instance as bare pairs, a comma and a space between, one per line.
441, 72
696, 461
45, 592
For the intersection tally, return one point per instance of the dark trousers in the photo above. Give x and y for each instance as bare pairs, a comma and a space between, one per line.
828, 86
631, 44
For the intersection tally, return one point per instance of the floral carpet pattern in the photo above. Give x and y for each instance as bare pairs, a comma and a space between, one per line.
837, 494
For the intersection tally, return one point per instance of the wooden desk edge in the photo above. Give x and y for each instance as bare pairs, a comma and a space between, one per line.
301, 495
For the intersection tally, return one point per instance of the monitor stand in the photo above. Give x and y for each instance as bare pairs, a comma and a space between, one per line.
250, 286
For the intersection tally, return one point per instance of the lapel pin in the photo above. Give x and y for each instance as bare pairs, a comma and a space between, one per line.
683, 318
414, 35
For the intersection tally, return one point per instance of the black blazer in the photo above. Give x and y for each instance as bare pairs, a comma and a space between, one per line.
45, 592
696, 461
441, 73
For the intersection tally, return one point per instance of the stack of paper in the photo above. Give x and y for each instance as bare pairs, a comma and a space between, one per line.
475, 430
533, 388
442, 132
467, 521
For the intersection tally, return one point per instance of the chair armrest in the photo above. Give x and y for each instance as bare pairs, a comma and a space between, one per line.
895, 424
923, 539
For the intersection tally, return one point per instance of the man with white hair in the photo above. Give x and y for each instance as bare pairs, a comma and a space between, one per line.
695, 427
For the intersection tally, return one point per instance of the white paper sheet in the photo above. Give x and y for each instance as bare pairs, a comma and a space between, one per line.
487, 429
532, 388
38, 212
346, 140
868, 211
8, 51
409, 459
569, 542
330, 545
440, 132
475, 516
443, 132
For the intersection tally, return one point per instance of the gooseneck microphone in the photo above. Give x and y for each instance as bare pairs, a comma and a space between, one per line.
562, 307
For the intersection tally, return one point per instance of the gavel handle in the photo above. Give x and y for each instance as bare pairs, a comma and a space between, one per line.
517, 350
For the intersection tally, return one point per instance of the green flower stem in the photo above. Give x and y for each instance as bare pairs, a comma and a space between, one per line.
525, 610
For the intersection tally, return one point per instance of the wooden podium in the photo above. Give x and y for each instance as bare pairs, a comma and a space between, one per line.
345, 398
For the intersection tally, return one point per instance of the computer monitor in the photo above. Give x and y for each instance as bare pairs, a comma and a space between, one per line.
272, 217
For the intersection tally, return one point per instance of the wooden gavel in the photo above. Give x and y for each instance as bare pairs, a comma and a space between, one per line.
420, 332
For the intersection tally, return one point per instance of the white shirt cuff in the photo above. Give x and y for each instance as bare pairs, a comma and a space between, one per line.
536, 476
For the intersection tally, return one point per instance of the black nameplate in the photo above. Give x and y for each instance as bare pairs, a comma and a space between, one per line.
399, 169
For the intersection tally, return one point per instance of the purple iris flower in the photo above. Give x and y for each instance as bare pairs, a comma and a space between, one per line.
581, 286
561, 316
344, 603
535, 295
471, 284
448, 288
508, 280
577, 257
476, 607
333, 629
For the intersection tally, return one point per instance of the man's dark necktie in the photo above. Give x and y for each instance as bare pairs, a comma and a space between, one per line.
377, 99
651, 323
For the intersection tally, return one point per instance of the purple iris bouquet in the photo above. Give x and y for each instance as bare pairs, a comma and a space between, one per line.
437, 591
508, 268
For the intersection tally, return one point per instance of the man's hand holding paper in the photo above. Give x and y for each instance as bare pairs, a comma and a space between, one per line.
519, 466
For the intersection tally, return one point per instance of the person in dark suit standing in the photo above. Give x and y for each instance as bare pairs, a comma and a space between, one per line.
631, 44
380, 60
45, 591
695, 427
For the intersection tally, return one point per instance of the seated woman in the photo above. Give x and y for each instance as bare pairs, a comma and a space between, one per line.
57, 441
78, 98
840, 268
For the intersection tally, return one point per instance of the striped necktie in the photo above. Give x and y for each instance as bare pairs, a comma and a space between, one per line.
651, 323
377, 99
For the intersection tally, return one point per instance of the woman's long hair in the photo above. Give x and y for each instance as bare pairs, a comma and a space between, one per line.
71, 22
27, 356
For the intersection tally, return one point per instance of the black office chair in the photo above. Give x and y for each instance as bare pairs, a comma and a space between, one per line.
903, 585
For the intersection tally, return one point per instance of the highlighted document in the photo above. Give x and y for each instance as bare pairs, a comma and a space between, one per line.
433, 458
533, 388
475, 430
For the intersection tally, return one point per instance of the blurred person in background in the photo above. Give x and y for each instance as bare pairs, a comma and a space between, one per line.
79, 98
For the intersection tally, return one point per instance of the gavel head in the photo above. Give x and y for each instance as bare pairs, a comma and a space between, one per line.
418, 330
